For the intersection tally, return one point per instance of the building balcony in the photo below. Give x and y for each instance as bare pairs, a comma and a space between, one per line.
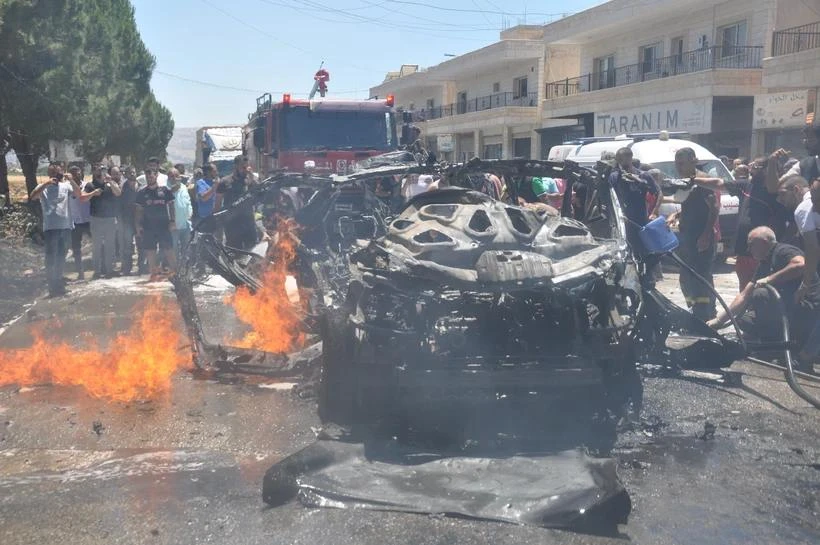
795, 40
479, 104
711, 58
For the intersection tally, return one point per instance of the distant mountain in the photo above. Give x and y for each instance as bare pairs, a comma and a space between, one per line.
182, 147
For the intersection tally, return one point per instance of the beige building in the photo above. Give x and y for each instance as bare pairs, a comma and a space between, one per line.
738, 75
483, 103
701, 66
791, 77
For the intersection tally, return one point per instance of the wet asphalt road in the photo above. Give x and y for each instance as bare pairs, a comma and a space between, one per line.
188, 468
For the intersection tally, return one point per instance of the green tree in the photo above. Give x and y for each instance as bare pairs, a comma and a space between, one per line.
76, 70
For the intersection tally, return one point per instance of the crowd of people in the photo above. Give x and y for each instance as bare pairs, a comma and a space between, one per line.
140, 223
776, 244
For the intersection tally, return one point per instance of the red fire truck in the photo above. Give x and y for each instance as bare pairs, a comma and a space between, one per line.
322, 135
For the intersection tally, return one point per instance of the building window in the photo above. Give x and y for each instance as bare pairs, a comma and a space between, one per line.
431, 103
520, 87
496, 87
461, 102
521, 148
677, 51
732, 39
492, 151
649, 55
604, 76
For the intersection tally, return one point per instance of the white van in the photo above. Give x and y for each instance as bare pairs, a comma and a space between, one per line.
659, 151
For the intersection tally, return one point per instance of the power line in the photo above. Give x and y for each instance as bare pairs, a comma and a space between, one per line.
382, 22
271, 36
208, 83
451, 27
464, 10
244, 90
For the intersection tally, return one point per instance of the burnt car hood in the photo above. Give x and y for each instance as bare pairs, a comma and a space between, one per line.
457, 236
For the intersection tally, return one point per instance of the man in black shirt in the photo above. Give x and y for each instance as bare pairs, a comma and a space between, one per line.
781, 266
758, 207
104, 193
155, 220
240, 228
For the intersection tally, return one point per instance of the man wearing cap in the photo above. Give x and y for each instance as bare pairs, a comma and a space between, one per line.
240, 227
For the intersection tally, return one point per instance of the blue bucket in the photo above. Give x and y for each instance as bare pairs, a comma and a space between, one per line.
657, 238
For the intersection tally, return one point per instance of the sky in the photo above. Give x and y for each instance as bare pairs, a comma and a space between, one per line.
215, 57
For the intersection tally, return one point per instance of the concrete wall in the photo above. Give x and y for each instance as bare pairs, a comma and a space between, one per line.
561, 62
481, 83
795, 71
758, 15
792, 13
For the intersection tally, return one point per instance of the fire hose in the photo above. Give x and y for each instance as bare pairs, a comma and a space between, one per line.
790, 373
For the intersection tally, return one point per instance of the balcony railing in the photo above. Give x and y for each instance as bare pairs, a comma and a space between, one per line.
479, 104
710, 58
794, 40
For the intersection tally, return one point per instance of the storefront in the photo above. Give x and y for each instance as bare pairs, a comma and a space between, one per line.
721, 124
779, 119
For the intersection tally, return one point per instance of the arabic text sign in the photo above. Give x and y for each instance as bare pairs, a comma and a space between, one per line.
777, 110
445, 142
694, 116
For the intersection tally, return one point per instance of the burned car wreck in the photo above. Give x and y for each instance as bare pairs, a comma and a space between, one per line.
469, 299
458, 297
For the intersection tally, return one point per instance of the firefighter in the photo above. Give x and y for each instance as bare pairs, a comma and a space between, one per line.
697, 221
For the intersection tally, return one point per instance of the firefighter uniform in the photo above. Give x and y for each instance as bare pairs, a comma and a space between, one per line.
694, 222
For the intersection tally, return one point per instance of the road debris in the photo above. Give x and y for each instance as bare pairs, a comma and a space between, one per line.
708, 432
98, 427
562, 490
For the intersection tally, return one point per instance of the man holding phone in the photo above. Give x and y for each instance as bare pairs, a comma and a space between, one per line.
54, 196
104, 193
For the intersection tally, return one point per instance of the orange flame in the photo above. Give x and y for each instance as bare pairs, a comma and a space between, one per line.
274, 320
137, 364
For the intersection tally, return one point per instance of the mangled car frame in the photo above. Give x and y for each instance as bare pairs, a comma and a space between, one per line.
458, 297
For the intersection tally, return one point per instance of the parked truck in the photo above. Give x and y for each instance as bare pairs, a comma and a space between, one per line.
219, 145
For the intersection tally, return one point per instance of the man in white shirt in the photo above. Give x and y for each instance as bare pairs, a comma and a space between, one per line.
411, 188
796, 194
153, 164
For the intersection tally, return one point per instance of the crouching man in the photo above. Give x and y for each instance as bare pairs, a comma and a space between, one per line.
780, 266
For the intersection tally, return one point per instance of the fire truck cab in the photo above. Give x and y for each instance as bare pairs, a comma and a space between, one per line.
321, 135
